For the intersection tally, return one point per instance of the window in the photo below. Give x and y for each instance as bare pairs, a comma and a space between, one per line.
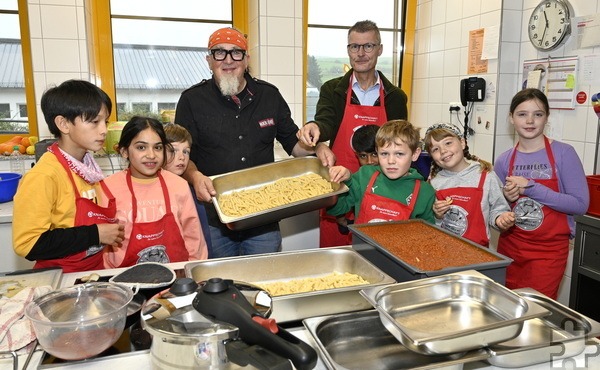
327, 39
5, 111
12, 80
22, 110
141, 108
121, 108
166, 106
159, 49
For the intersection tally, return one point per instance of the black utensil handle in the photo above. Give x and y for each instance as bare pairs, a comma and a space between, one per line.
243, 354
31, 271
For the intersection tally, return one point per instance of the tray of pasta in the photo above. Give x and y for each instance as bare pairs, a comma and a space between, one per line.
268, 193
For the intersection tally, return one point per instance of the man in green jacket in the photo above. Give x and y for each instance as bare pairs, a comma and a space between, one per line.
360, 97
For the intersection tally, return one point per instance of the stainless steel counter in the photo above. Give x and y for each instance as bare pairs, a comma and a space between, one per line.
589, 359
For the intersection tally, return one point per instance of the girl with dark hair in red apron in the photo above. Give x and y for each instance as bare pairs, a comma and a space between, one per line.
157, 208
539, 242
543, 180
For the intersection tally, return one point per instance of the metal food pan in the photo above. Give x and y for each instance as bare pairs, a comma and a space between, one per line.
452, 313
258, 176
402, 270
562, 334
358, 340
285, 266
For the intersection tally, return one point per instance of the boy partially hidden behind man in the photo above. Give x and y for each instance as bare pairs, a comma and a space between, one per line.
391, 190
363, 144
177, 161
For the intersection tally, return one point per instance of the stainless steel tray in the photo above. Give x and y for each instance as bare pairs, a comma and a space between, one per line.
298, 265
402, 270
15, 281
358, 340
262, 175
452, 313
562, 334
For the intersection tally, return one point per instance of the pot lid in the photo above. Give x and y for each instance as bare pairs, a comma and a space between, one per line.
170, 314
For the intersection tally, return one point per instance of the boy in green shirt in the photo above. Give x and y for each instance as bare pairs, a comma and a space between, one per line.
392, 190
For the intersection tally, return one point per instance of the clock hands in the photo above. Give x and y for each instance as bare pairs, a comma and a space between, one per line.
545, 28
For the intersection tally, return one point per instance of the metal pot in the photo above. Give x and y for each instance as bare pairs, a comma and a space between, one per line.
181, 337
185, 337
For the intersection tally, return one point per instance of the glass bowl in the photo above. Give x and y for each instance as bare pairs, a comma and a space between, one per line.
81, 321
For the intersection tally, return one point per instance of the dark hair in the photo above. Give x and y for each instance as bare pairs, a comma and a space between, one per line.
72, 99
138, 124
398, 129
529, 94
363, 139
366, 26
440, 133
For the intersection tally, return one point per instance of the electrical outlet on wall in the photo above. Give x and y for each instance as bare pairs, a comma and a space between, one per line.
454, 107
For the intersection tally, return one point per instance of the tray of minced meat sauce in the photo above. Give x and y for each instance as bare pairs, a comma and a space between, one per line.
423, 250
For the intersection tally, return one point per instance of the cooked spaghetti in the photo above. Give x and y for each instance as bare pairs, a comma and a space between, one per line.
331, 281
283, 191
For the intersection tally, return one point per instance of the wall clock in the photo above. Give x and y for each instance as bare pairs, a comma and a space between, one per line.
550, 25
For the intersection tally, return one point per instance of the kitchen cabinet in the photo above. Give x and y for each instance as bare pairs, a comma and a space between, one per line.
585, 279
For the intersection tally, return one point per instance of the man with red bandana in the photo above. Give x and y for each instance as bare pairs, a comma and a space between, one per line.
362, 96
233, 119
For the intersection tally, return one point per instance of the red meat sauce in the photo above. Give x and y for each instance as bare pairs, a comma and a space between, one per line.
426, 247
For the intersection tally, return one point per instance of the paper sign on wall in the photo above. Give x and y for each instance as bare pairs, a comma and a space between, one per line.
475, 64
556, 77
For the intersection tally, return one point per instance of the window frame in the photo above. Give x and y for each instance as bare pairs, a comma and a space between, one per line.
20, 107
23, 13
100, 43
403, 78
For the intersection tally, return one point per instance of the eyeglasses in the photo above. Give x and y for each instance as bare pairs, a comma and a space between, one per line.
221, 54
368, 47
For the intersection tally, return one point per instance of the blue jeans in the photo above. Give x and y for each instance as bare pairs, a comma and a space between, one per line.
203, 219
229, 243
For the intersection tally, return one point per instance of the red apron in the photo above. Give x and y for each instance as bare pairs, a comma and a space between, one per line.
539, 241
354, 117
464, 217
155, 241
87, 212
377, 208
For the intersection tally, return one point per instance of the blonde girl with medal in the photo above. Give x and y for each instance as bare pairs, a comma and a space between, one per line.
469, 197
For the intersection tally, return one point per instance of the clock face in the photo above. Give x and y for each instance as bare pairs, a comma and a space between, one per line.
549, 24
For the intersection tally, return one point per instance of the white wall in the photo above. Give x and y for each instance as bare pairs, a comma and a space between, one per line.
441, 62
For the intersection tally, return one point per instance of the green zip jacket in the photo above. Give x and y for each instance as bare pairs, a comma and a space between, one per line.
332, 103
399, 189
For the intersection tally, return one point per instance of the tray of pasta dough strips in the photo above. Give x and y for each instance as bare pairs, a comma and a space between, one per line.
306, 283
268, 193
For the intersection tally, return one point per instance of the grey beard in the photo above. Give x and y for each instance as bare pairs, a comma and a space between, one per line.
229, 85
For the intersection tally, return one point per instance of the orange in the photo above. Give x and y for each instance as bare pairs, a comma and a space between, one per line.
16, 139
5, 147
25, 142
22, 149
